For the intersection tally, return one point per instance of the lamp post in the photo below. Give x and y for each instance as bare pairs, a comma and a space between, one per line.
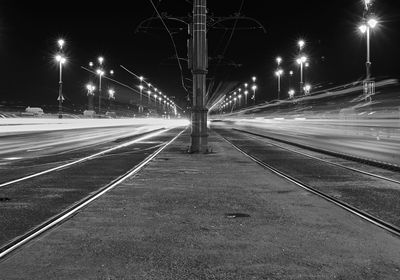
301, 60
278, 74
369, 23
111, 96
254, 88
301, 44
90, 88
61, 60
141, 95
290, 78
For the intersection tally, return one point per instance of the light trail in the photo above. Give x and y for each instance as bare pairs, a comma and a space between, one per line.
83, 159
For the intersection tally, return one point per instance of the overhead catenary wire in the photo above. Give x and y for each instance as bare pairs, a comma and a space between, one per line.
173, 43
227, 45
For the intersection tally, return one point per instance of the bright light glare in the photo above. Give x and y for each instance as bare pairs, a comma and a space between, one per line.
301, 43
279, 72
254, 78
279, 60
99, 72
363, 28
372, 22
61, 59
61, 43
101, 60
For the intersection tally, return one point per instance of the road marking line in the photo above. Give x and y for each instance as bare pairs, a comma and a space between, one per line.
83, 159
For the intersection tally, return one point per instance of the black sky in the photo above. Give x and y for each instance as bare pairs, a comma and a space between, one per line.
28, 32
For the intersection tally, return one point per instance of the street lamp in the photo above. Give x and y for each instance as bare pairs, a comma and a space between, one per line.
100, 72
90, 88
246, 92
291, 93
301, 43
307, 89
366, 27
61, 60
279, 73
279, 60
370, 22
301, 60
254, 88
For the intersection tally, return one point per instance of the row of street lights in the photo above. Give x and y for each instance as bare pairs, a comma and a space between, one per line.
234, 99
165, 102
303, 61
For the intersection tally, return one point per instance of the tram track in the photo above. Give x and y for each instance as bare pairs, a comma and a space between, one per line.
259, 154
29, 232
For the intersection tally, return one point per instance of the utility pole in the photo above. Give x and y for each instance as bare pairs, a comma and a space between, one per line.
198, 60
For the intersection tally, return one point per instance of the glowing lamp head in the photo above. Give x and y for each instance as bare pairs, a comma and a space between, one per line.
111, 72
99, 72
363, 28
279, 60
101, 60
61, 43
141, 78
279, 72
254, 87
246, 92
301, 44
91, 64
254, 79
141, 87
111, 93
61, 59
246, 85
291, 73
372, 22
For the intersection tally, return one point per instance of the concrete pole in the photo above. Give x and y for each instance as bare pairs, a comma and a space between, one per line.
199, 133
60, 93
368, 63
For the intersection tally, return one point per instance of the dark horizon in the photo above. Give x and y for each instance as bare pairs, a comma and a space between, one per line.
29, 32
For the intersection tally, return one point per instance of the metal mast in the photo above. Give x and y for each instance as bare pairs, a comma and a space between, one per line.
198, 62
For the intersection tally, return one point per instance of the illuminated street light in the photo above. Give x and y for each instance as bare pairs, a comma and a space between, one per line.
61, 43
111, 94
279, 60
291, 93
61, 60
111, 72
301, 60
301, 43
278, 74
307, 89
254, 78
369, 22
254, 88
101, 60
91, 64
246, 92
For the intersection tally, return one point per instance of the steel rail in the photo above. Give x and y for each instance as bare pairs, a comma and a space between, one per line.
361, 214
325, 161
19, 242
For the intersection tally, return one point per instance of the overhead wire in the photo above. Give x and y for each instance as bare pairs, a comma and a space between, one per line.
173, 43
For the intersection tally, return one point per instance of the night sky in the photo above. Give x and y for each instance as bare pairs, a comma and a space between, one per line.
28, 34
